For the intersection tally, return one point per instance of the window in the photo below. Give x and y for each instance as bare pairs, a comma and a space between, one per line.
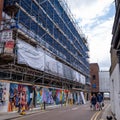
93, 77
93, 85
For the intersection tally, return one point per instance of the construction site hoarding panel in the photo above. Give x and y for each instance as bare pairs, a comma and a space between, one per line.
4, 96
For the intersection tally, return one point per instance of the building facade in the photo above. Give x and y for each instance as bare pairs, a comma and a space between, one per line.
104, 81
42, 49
1, 8
115, 63
94, 78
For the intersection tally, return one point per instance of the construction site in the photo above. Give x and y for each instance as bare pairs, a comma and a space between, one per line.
42, 45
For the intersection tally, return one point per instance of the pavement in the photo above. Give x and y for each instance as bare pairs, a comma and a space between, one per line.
106, 112
12, 115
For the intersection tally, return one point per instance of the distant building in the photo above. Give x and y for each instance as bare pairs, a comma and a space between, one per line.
100, 81
104, 81
115, 64
94, 77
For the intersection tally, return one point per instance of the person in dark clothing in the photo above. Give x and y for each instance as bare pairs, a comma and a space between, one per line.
100, 100
93, 101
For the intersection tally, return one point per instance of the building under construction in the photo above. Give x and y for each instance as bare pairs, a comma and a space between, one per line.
41, 45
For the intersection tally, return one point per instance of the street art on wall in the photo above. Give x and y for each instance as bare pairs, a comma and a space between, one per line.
4, 93
20, 95
14, 96
50, 96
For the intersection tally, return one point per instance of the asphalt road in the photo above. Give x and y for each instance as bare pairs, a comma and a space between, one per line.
79, 112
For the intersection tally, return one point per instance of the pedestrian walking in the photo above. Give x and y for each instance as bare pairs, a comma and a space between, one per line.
93, 102
100, 100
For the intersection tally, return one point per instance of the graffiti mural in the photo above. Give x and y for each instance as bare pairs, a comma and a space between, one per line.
4, 96
38, 96
14, 97
50, 96
20, 95
44, 95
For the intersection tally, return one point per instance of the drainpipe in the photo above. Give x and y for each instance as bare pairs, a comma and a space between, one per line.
118, 54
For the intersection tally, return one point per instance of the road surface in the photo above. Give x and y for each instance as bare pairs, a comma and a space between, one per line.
76, 112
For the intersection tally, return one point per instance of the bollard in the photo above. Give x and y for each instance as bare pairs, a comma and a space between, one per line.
23, 111
65, 103
44, 105
41, 106
109, 118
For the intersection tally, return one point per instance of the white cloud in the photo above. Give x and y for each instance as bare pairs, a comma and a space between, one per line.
89, 8
98, 31
100, 40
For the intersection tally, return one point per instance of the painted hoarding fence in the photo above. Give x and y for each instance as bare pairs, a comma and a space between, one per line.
53, 96
50, 96
4, 96
19, 96
14, 96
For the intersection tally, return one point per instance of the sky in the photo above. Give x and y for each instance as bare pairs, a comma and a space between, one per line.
95, 18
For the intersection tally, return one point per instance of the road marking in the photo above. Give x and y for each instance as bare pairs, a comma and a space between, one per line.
107, 106
97, 115
93, 116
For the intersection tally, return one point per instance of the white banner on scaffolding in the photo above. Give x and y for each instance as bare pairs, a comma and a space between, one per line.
50, 64
82, 79
67, 72
74, 75
60, 69
77, 76
28, 55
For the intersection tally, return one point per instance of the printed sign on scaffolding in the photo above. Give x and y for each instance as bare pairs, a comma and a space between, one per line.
6, 36
9, 45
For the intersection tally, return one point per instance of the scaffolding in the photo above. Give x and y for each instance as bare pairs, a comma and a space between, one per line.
18, 73
47, 24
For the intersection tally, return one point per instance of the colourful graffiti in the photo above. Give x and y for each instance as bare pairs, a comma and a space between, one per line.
50, 96
15, 96
20, 95
4, 92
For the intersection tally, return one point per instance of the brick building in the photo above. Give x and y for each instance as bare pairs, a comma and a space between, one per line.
94, 73
1, 7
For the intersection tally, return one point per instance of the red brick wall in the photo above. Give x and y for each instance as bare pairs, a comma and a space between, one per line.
94, 71
1, 8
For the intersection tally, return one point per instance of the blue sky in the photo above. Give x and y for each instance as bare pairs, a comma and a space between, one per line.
95, 17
